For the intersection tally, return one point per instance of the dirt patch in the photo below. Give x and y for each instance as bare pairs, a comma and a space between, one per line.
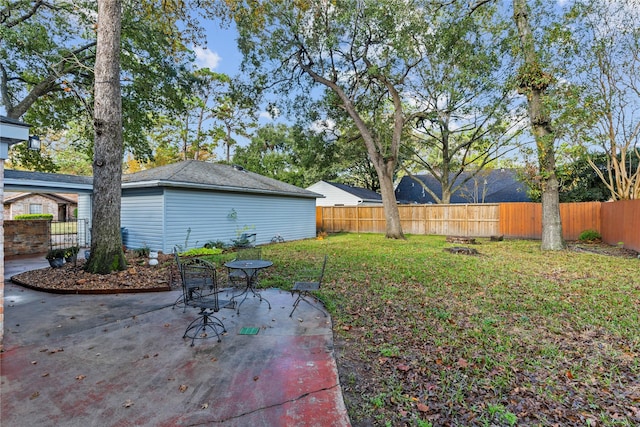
71, 277
602, 249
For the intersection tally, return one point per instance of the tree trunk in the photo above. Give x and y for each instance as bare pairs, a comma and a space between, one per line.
393, 229
106, 242
533, 83
384, 165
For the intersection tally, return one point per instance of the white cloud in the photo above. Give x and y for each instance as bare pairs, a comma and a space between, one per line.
206, 58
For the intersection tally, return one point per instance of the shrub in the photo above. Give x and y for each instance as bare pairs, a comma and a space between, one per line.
590, 236
71, 251
55, 254
47, 217
142, 252
201, 252
215, 244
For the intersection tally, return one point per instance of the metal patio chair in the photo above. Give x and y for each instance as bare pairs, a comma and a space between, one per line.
200, 290
304, 290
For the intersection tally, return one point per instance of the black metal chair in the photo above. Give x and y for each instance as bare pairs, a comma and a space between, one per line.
304, 289
174, 278
200, 290
180, 263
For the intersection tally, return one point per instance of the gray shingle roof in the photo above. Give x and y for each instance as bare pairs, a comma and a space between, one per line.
214, 176
502, 185
362, 193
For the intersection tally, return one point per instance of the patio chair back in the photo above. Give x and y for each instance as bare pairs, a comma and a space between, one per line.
304, 290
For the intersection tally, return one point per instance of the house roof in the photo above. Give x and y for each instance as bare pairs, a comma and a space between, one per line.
10, 197
197, 174
15, 180
362, 193
498, 185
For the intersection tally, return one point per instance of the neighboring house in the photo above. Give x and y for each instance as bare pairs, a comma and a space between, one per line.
344, 195
61, 206
490, 186
190, 203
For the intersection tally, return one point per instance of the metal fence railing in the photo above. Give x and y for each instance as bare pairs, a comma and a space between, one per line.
65, 234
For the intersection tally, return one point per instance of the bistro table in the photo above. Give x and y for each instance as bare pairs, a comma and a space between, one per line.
250, 268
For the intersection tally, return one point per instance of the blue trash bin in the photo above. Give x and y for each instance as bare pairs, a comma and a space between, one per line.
124, 235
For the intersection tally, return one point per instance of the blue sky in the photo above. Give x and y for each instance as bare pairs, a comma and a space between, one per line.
221, 53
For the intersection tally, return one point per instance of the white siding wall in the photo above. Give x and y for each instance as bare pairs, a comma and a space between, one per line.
209, 217
143, 214
84, 213
162, 221
333, 195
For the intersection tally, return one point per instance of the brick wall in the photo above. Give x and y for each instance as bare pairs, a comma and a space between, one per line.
49, 206
24, 237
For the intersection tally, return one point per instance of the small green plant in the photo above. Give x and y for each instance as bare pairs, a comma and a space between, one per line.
590, 236
390, 351
201, 252
215, 244
71, 251
142, 252
378, 401
57, 253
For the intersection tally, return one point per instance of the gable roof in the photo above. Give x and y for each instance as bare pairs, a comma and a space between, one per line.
197, 174
16, 180
362, 193
498, 185
11, 197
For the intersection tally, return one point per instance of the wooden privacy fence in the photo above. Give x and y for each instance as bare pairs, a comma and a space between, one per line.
616, 221
524, 220
481, 220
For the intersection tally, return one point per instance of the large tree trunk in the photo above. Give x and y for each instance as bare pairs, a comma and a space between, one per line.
384, 165
106, 242
393, 228
533, 83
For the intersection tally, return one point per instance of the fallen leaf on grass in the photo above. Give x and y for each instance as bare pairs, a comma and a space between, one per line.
422, 407
403, 367
463, 363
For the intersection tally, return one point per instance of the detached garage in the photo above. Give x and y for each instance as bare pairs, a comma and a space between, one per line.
191, 203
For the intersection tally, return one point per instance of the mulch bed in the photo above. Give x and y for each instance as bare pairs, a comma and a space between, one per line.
72, 279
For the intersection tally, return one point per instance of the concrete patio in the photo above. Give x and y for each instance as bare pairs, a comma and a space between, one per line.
120, 360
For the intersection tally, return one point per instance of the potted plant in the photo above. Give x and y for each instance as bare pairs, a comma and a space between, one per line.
56, 257
71, 253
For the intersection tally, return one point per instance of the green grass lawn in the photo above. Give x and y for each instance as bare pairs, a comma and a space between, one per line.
513, 336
